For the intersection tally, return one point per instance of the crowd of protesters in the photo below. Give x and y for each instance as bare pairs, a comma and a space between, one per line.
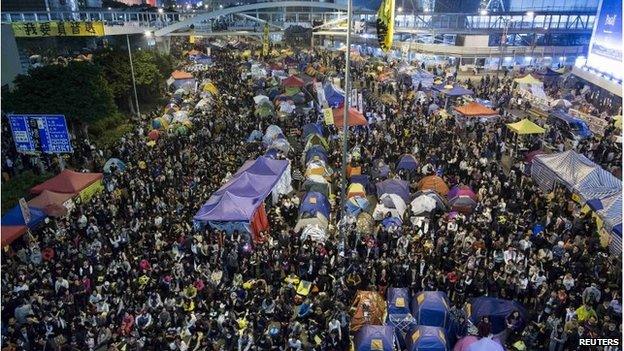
128, 271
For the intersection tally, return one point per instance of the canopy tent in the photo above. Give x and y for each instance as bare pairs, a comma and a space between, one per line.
432, 308
314, 202
51, 203
183, 80
389, 203
528, 79
369, 309
474, 109
525, 126
434, 183
609, 209
15, 218
425, 338
238, 204
407, 162
177, 74
293, 82
599, 184
374, 338
354, 117
311, 128
485, 344
10, 233
67, 182
394, 186
454, 90
333, 95
356, 205
497, 310
423, 78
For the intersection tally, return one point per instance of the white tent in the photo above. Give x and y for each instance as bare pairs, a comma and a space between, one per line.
389, 203
261, 98
315, 233
423, 204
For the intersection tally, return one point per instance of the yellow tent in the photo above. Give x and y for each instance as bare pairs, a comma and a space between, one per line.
528, 79
211, 88
618, 121
356, 189
525, 127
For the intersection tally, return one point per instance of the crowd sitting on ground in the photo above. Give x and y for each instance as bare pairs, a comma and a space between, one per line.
128, 271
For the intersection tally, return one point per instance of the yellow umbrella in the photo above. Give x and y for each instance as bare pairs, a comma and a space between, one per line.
618, 121
525, 126
211, 88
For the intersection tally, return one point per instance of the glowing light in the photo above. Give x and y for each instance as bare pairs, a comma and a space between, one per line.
484, 12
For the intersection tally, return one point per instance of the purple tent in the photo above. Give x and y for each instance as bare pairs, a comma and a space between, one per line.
394, 186
407, 162
457, 90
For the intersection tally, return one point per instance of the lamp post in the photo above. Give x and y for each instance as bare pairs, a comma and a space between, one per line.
345, 126
136, 97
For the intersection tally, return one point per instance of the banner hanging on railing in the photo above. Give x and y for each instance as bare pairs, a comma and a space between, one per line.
58, 29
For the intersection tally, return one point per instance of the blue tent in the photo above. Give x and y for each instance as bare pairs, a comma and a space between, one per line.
394, 186
374, 338
496, 309
201, 58
431, 308
254, 136
334, 96
398, 301
407, 162
380, 169
357, 204
271, 153
14, 217
314, 202
311, 128
318, 151
425, 338
364, 180
456, 90
391, 221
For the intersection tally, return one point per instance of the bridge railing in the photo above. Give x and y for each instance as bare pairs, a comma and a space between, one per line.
147, 19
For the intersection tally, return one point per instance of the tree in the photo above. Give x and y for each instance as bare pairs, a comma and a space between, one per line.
116, 69
78, 91
148, 77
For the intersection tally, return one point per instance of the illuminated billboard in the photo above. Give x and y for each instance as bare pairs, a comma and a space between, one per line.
605, 48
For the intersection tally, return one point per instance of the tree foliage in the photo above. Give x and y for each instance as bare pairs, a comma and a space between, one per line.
78, 91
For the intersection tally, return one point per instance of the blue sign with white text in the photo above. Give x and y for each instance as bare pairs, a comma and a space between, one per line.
48, 134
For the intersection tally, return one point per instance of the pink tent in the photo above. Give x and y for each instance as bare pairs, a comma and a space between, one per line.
463, 343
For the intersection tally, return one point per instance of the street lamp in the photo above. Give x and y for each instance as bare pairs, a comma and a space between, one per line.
400, 9
530, 14
483, 12
345, 124
161, 11
148, 33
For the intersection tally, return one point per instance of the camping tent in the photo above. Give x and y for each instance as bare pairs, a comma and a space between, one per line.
311, 128
399, 314
314, 202
67, 182
462, 199
474, 109
316, 152
271, 133
354, 117
317, 183
369, 308
497, 310
357, 204
356, 189
407, 162
454, 90
391, 203
316, 139
432, 308
374, 338
394, 186
53, 204
434, 183
425, 338
426, 201
525, 126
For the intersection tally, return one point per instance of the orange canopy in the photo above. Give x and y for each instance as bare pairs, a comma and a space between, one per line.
11, 232
354, 117
69, 182
475, 109
181, 75
51, 203
434, 183
370, 302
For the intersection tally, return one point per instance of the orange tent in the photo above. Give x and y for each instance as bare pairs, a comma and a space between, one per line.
51, 203
354, 117
370, 302
181, 75
434, 183
474, 109
11, 232
69, 182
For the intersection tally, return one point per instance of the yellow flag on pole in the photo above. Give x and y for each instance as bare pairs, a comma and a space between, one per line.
385, 24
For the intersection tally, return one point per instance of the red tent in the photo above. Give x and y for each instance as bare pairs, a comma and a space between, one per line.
67, 182
354, 117
474, 109
11, 232
293, 82
51, 203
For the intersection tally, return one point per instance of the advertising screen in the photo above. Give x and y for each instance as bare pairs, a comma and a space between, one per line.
605, 48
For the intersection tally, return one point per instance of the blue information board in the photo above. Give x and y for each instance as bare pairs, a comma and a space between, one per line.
46, 133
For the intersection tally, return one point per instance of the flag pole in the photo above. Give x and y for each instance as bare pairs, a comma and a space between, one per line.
345, 127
